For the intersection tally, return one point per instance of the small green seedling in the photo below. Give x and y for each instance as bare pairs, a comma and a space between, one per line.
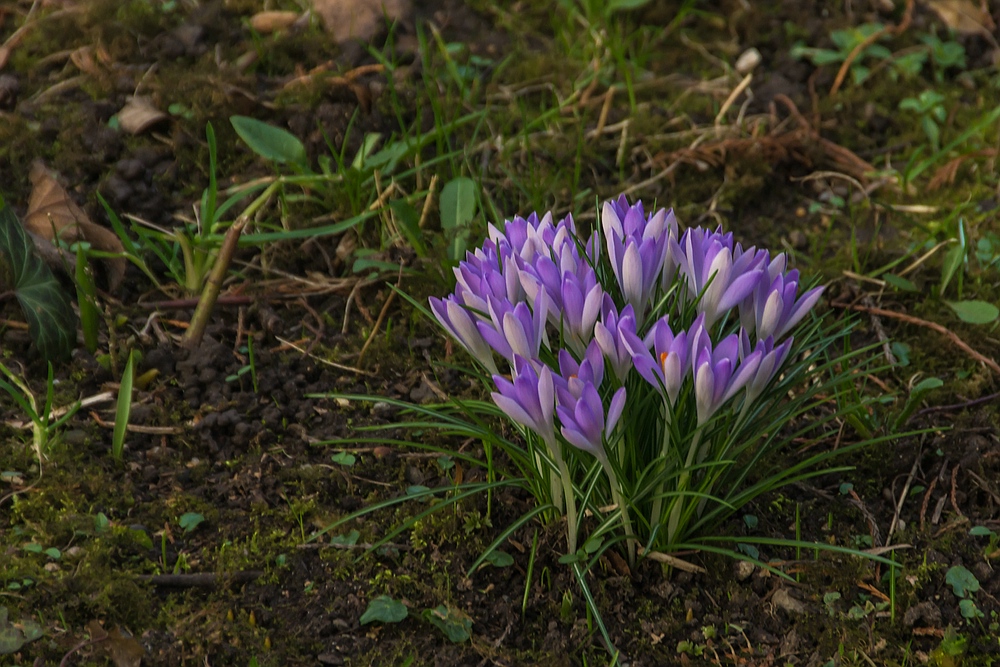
845, 42
929, 105
44, 427
189, 521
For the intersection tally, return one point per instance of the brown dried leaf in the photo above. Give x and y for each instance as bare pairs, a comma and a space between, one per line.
124, 650
964, 16
359, 19
139, 114
53, 213
273, 21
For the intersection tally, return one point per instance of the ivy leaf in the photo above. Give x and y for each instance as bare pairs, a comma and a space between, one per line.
961, 580
454, 623
46, 307
384, 609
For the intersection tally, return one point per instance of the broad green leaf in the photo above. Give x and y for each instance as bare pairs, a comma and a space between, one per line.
11, 640
969, 609
385, 610
975, 312
270, 142
458, 208
980, 531
30, 630
344, 458
53, 553
499, 559
899, 282
348, 540
46, 307
454, 623
190, 520
961, 580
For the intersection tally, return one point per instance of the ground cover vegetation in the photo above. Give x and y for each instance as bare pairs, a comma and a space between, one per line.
361, 349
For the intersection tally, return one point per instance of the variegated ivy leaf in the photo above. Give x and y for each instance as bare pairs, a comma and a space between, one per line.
46, 306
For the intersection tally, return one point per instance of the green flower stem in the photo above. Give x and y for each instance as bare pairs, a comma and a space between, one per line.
616, 495
654, 515
567, 487
675, 512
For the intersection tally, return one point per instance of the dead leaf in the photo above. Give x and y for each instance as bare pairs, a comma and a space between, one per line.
96, 631
273, 21
359, 19
139, 114
124, 650
53, 213
964, 17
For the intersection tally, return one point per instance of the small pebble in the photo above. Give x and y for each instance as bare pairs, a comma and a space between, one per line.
744, 569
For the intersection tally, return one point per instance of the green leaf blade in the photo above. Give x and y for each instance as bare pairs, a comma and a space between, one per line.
975, 312
458, 208
270, 142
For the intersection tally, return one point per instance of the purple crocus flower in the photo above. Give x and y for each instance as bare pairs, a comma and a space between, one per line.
609, 334
718, 372
773, 310
530, 399
713, 270
515, 329
667, 365
771, 360
637, 248
487, 274
574, 376
583, 420
460, 323
574, 293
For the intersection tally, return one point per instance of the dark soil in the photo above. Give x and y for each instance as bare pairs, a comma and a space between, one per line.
246, 450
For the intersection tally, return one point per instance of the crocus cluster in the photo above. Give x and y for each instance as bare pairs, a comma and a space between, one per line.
692, 317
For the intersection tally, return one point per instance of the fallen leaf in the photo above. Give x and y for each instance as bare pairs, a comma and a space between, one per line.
53, 213
124, 650
139, 114
273, 21
359, 19
964, 17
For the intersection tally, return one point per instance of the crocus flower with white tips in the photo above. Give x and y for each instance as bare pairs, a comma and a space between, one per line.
667, 365
515, 329
573, 376
771, 360
706, 260
609, 334
583, 420
718, 371
486, 274
461, 324
637, 248
529, 399
775, 310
